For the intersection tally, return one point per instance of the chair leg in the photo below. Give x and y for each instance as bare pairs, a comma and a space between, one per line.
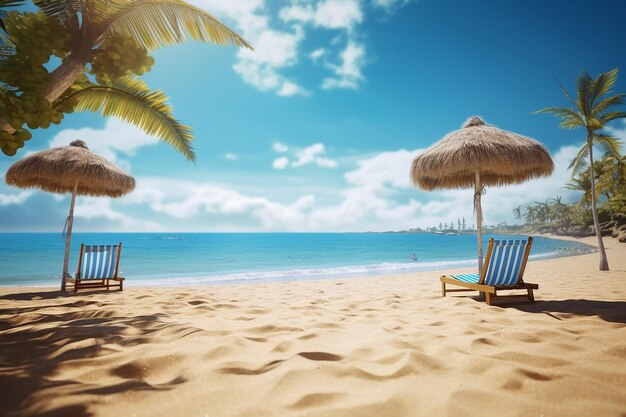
488, 298
121, 285
443, 289
531, 295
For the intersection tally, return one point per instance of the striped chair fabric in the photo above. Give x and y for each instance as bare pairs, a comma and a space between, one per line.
99, 261
471, 278
504, 266
506, 262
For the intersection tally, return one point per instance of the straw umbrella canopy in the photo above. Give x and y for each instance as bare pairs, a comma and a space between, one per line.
479, 155
70, 169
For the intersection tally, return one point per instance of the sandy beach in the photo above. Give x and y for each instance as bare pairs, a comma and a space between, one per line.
378, 346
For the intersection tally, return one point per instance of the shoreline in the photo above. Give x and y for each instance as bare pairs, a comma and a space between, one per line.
353, 271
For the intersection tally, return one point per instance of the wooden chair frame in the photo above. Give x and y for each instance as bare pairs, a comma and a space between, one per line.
490, 292
95, 282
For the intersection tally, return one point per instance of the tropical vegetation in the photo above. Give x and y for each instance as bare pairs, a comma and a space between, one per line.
88, 55
610, 174
593, 107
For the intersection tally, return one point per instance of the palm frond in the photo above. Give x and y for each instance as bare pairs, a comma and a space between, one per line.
158, 23
570, 118
583, 87
613, 115
567, 94
609, 145
60, 9
579, 163
559, 112
581, 183
132, 101
602, 85
11, 3
608, 102
569, 124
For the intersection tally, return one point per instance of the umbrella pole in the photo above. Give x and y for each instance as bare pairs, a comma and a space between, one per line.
68, 237
479, 222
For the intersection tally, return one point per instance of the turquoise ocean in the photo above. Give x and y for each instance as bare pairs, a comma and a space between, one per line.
36, 259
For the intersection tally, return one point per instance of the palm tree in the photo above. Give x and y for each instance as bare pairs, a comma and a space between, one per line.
152, 24
531, 214
542, 211
517, 212
592, 109
559, 211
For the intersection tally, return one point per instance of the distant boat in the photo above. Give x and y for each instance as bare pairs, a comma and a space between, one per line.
452, 233
439, 233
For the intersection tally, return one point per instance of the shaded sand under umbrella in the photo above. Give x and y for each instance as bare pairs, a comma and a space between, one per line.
478, 155
70, 169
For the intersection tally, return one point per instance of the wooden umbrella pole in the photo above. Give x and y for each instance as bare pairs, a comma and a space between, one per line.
68, 237
479, 222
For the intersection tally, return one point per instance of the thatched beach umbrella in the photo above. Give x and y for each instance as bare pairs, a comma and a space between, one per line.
478, 155
70, 169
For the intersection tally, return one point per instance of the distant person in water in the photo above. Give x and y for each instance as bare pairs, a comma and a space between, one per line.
414, 257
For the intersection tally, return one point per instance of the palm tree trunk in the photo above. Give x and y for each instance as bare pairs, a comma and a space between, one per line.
604, 263
62, 78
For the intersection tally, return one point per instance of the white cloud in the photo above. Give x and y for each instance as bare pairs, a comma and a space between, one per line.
336, 14
348, 73
369, 202
313, 155
378, 195
290, 89
280, 163
386, 169
19, 198
329, 14
231, 156
280, 147
619, 133
326, 162
389, 5
307, 155
185, 199
277, 41
116, 140
317, 54
94, 208
297, 12
274, 50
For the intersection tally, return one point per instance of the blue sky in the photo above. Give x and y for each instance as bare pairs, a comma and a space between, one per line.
316, 129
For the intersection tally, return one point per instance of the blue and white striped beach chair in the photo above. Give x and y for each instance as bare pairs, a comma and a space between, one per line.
503, 270
97, 267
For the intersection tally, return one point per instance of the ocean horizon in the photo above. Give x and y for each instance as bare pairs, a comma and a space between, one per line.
169, 259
